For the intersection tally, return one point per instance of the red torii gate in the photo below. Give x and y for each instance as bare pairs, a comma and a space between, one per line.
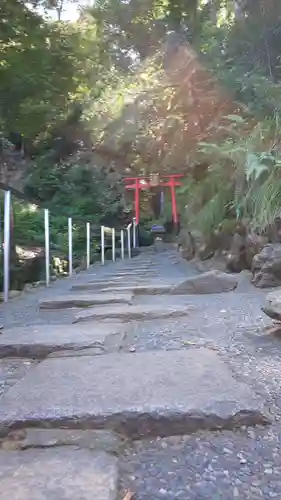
153, 181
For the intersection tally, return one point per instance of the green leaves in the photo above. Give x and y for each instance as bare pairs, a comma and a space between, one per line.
235, 118
45, 66
254, 168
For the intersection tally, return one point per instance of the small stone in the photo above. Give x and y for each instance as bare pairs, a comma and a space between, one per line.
251, 434
162, 491
243, 461
132, 349
227, 451
235, 492
268, 471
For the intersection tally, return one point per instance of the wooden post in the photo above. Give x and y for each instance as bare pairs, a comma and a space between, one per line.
137, 201
174, 201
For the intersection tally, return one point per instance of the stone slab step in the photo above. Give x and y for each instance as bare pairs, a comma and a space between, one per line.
129, 313
85, 300
91, 439
134, 286
135, 274
135, 394
98, 285
65, 472
124, 275
139, 289
40, 340
101, 279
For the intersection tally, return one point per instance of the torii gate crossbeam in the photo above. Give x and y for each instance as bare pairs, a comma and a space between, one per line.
139, 183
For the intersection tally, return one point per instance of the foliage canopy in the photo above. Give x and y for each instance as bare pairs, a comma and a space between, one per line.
143, 86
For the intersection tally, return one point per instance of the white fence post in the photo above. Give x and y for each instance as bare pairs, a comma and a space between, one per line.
1, 235
102, 244
113, 245
7, 240
47, 245
129, 240
134, 233
122, 244
70, 255
88, 233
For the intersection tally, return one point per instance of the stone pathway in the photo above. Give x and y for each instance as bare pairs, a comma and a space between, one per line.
111, 385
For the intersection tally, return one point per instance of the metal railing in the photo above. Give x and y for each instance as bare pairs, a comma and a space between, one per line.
124, 234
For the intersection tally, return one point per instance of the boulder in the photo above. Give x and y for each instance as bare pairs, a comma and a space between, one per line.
266, 267
209, 282
236, 258
218, 262
254, 244
272, 305
186, 244
205, 251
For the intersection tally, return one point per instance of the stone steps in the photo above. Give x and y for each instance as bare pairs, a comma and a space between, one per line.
65, 423
62, 472
41, 340
131, 313
86, 300
136, 394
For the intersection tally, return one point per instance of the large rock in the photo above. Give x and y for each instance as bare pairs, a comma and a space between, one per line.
192, 243
205, 251
266, 267
272, 305
236, 258
209, 282
186, 244
218, 262
254, 244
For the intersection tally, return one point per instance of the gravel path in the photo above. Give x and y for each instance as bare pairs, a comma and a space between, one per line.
12, 370
214, 465
208, 466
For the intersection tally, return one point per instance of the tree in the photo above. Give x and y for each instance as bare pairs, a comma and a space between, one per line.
56, 7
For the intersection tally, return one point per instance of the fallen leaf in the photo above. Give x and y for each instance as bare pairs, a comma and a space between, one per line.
129, 496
